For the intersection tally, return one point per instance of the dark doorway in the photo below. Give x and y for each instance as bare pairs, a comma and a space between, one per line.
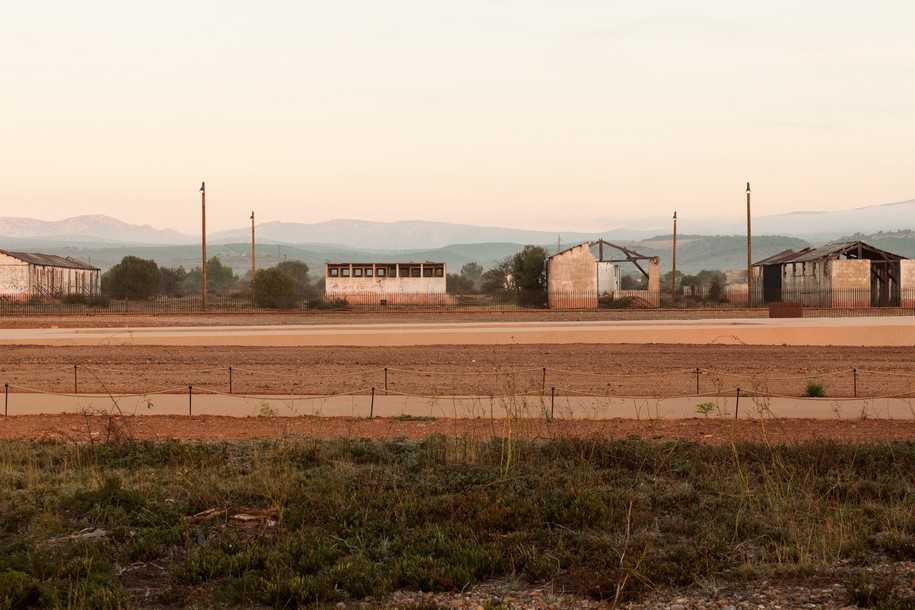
772, 283
884, 283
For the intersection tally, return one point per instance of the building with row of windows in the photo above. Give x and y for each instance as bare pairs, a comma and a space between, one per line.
385, 283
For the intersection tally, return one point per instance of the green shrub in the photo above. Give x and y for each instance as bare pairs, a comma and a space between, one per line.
75, 299
275, 289
132, 278
814, 389
320, 303
705, 408
17, 590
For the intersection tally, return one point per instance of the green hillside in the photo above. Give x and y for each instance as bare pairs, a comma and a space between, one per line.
694, 252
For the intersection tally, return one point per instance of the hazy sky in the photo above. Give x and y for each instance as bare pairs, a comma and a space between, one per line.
554, 115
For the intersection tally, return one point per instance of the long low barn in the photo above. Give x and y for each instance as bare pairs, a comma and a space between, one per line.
841, 274
24, 276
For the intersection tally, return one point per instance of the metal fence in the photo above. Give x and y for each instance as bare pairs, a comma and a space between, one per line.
814, 303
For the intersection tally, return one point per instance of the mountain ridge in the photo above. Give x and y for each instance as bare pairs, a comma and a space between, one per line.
421, 234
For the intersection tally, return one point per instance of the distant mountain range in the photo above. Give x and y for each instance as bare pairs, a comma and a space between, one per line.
103, 241
417, 234
91, 228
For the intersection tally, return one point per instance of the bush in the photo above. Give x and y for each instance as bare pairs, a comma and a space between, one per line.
275, 289
815, 389
132, 278
75, 299
220, 278
298, 271
173, 279
337, 303
17, 590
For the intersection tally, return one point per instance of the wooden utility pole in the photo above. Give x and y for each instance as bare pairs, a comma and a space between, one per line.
749, 254
673, 288
203, 231
253, 266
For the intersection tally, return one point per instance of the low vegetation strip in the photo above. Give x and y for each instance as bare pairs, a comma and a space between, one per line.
297, 521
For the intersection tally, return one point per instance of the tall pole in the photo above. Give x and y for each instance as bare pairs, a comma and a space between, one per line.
749, 254
253, 267
203, 239
673, 289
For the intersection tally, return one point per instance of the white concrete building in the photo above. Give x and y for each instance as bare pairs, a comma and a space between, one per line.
24, 276
386, 283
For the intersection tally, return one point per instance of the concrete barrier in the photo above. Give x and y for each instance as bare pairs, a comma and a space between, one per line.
786, 310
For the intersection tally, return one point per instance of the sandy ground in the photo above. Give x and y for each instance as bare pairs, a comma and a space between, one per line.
572, 369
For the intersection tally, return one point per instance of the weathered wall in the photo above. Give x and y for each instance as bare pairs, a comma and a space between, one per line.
20, 280
850, 282
609, 276
654, 281
907, 282
393, 290
807, 283
14, 278
572, 279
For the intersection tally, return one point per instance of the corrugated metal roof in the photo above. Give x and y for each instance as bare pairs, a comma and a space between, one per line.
833, 251
785, 256
50, 260
827, 252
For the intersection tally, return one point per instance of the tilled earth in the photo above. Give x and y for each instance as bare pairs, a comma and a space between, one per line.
602, 370
594, 369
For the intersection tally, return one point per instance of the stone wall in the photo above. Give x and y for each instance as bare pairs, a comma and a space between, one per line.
572, 279
850, 282
907, 282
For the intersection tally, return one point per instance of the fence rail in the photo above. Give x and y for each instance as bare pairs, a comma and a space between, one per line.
836, 302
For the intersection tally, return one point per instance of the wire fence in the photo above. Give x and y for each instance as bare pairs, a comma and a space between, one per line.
808, 303
78, 380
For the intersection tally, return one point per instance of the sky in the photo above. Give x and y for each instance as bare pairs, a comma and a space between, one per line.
553, 115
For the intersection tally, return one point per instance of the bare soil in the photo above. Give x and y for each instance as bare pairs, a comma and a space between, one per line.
101, 428
603, 370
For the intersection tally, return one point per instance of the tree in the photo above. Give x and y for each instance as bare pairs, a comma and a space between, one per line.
628, 282
298, 271
458, 284
275, 289
528, 269
173, 279
132, 278
472, 271
497, 279
220, 278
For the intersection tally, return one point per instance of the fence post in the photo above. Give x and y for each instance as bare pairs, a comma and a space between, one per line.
543, 384
697, 381
737, 406
75, 386
190, 399
385, 379
372, 407
855, 376
6, 398
552, 401
230, 380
